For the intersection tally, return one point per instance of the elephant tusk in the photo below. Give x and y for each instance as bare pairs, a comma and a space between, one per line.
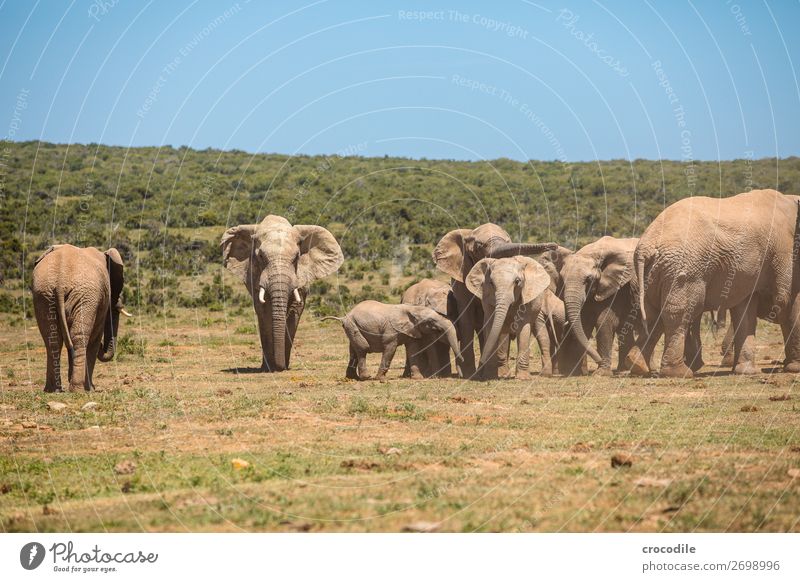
297, 295
262, 295
125, 312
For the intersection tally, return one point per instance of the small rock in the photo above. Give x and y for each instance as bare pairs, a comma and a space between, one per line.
239, 464
392, 451
650, 482
126, 467
5, 488
795, 449
581, 447
45, 427
422, 527
94, 427
56, 405
621, 460
89, 406
749, 408
224, 391
780, 398
28, 424
794, 473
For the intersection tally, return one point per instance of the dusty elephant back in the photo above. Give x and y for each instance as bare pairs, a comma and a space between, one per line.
712, 239
67, 268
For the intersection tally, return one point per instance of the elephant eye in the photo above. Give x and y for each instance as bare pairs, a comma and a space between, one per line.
518, 282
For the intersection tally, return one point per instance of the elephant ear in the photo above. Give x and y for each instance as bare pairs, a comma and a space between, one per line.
477, 276
450, 254
115, 274
320, 254
237, 246
552, 271
407, 323
536, 279
615, 273
47, 252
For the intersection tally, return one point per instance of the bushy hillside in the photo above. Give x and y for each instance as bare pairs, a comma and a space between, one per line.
166, 208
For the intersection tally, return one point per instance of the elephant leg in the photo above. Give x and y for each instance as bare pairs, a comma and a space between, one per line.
352, 365
503, 348
727, 349
640, 358
693, 347
386, 360
53, 342
442, 367
465, 328
605, 342
791, 338
417, 359
744, 319
625, 341
675, 329
545, 347
361, 356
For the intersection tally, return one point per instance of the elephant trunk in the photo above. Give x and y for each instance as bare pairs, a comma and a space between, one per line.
452, 340
493, 339
110, 329
278, 288
507, 249
574, 298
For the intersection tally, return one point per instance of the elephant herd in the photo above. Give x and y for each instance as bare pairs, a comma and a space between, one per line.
735, 255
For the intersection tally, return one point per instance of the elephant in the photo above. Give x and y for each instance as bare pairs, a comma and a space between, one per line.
439, 297
512, 294
77, 298
372, 326
455, 254
597, 295
742, 256
277, 262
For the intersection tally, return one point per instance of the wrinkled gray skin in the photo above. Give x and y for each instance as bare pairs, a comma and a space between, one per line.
77, 300
439, 297
457, 252
597, 295
277, 262
511, 291
704, 254
373, 327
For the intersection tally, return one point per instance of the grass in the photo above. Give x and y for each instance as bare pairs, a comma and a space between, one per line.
327, 454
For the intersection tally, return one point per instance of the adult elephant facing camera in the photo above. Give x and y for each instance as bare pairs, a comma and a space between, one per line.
456, 254
737, 253
597, 295
277, 262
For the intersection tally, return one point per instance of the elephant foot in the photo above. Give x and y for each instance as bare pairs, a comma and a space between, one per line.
603, 372
416, 376
745, 368
523, 375
727, 360
504, 372
791, 367
636, 363
697, 364
51, 390
676, 371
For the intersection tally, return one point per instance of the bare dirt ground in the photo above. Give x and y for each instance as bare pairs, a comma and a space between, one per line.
184, 436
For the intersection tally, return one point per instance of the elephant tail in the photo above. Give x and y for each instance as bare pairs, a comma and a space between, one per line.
640, 260
327, 317
61, 321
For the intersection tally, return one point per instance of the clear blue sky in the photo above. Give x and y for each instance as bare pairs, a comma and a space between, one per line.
470, 80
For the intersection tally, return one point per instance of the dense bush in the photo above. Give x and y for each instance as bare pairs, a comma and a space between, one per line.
165, 209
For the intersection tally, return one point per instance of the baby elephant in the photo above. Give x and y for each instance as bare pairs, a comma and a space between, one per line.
372, 326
